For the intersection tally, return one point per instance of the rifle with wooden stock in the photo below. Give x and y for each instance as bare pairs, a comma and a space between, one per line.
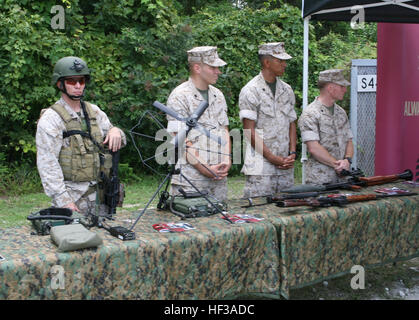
253, 201
354, 183
337, 200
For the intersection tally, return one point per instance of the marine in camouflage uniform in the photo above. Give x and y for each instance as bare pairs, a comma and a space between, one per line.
70, 75
206, 163
267, 111
325, 129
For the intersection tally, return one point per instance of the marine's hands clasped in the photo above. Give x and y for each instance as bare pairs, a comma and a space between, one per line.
339, 165
221, 170
283, 163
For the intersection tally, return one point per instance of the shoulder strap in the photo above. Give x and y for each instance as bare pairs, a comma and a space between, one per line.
62, 112
89, 110
76, 129
71, 127
66, 116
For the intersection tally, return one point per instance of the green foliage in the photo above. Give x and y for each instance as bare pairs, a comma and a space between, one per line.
126, 174
19, 179
4, 170
137, 50
336, 50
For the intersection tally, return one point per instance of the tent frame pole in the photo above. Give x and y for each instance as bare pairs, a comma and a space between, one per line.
305, 91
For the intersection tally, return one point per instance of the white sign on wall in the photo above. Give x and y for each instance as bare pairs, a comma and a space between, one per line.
367, 83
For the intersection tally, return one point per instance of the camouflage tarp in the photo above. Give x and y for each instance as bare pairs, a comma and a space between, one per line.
214, 261
322, 243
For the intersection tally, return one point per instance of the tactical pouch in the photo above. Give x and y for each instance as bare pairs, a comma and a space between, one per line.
106, 163
73, 237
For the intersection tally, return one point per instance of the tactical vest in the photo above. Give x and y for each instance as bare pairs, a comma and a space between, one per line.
81, 161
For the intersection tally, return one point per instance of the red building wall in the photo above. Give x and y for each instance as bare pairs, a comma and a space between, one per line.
397, 113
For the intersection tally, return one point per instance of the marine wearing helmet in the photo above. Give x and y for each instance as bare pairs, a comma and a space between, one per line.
70, 139
69, 67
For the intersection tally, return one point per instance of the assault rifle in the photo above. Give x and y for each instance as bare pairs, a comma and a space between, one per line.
353, 173
281, 197
113, 191
354, 183
254, 202
113, 197
337, 200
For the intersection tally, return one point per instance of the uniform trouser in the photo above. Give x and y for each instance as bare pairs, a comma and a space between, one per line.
258, 185
319, 173
216, 188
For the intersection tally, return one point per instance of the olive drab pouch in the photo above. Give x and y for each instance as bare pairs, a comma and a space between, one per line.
74, 237
106, 162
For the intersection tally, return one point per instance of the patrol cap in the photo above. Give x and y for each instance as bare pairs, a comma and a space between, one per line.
274, 49
207, 55
334, 76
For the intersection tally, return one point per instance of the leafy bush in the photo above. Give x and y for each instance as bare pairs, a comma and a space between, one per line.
4, 170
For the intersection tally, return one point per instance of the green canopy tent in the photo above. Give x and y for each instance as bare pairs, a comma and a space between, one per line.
397, 11
401, 11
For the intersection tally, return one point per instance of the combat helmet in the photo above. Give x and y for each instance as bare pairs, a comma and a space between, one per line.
67, 67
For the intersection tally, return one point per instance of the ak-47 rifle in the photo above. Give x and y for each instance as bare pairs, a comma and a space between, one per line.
354, 183
353, 173
337, 200
299, 195
281, 197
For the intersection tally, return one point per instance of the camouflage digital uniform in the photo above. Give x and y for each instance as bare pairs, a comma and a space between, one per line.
332, 132
272, 116
49, 141
185, 99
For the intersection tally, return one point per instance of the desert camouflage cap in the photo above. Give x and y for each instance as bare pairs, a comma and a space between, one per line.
207, 55
334, 76
274, 49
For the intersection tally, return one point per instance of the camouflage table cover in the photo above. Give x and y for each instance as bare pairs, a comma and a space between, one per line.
323, 243
214, 261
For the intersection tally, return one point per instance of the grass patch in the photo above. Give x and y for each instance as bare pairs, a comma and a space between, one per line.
138, 194
15, 209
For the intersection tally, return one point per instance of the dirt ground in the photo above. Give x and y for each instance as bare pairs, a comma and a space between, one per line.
394, 281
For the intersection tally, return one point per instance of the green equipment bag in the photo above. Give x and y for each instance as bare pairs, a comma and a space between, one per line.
190, 204
73, 237
194, 207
